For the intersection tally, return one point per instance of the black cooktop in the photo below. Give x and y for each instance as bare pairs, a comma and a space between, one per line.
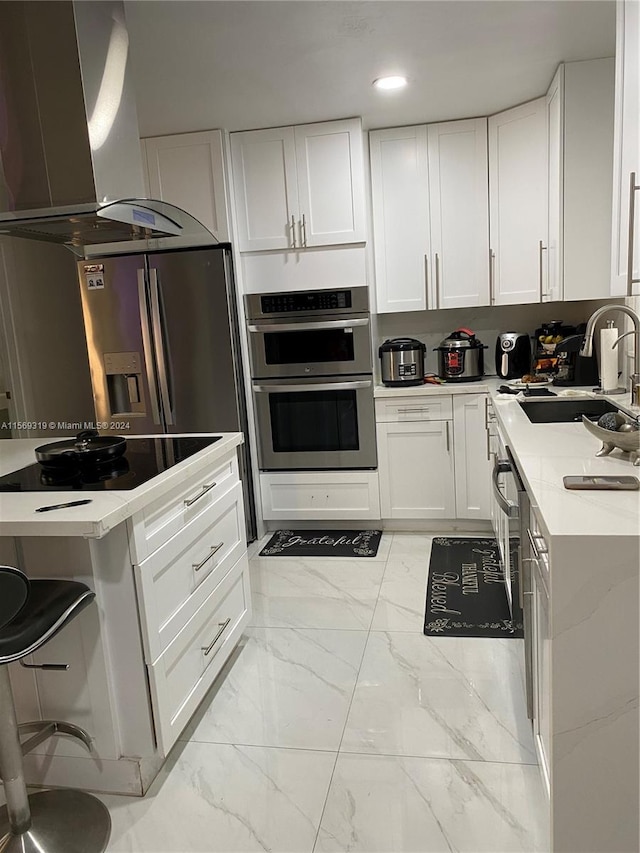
144, 458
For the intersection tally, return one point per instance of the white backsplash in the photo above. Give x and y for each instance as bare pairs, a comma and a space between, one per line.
487, 322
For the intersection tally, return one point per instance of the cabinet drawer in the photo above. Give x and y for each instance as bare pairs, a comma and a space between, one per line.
176, 579
540, 549
162, 519
308, 495
427, 408
181, 677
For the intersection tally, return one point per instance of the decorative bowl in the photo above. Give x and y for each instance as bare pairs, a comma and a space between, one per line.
629, 442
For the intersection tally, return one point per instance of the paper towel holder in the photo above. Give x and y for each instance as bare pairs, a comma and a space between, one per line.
616, 389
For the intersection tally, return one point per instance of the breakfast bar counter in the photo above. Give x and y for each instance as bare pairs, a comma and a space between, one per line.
168, 564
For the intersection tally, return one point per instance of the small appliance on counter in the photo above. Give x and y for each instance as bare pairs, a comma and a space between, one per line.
513, 355
402, 362
571, 367
461, 357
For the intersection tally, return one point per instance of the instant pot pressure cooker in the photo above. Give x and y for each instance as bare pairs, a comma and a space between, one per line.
461, 357
402, 361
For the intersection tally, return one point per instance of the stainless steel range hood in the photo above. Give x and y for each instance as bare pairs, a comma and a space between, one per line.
70, 160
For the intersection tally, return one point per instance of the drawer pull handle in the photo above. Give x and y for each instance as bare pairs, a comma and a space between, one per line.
203, 491
214, 550
221, 626
537, 549
409, 411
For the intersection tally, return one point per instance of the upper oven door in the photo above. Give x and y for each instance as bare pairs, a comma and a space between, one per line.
306, 347
316, 424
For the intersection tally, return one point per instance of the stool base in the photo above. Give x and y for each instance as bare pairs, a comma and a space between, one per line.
62, 821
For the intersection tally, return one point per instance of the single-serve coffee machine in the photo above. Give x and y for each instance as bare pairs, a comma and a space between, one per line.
571, 367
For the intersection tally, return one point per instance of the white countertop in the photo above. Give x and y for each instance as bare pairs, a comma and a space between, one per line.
18, 516
546, 453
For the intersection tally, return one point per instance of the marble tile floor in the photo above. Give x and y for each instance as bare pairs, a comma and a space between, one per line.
338, 726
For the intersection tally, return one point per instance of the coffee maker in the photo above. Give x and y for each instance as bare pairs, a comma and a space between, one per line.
571, 367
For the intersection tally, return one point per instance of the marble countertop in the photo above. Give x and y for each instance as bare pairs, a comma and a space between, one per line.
18, 516
545, 453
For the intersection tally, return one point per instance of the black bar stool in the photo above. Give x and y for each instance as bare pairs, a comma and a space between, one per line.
58, 821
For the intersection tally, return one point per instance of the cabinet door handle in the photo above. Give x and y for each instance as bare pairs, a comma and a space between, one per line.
221, 626
293, 231
426, 281
535, 547
203, 491
633, 188
437, 265
492, 272
214, 550
303, 231
446, 426
541, 248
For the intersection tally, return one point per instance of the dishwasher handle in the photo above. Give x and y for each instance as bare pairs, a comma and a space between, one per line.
503, 466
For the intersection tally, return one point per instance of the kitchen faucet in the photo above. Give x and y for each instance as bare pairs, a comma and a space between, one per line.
587, 346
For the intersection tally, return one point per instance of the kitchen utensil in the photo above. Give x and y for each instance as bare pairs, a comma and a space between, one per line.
87, 448
461, 357
513, 355
402, 361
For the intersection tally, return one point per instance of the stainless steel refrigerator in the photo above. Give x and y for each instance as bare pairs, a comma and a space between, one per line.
163, 341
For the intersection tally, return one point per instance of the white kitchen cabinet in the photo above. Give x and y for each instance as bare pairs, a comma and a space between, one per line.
580, 104
415, 464
459, 213
188, 170
472, 467
399, 189
430, 216
518, 202
316, 495
541, 649
299, 187
625, 266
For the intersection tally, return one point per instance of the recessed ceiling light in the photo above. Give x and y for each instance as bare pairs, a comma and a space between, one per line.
390, 82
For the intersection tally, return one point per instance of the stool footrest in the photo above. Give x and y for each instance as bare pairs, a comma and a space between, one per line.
44, 729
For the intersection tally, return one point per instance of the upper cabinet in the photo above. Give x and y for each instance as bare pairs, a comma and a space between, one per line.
430, 216
399, 178
188, 170
580, 106
518, 202
625, 253
298, 187
459, 213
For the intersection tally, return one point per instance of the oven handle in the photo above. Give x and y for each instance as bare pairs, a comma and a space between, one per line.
310, 327
314, 386
503, 466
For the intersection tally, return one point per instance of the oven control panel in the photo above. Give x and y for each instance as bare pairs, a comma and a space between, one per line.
324, 300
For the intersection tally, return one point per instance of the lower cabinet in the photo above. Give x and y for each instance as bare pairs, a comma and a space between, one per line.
416, 469
432, 456
315, 495
541, 667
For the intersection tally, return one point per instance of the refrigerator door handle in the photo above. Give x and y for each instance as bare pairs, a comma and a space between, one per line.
158, 339
146, 344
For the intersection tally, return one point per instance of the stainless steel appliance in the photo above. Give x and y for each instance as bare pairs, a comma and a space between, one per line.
461, 357
310, 333
402, 362
513, 355
312, 379
162, 337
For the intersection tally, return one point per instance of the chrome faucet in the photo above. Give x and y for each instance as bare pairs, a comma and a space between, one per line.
587, 345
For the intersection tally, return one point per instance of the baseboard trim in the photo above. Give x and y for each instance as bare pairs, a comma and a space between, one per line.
391, 525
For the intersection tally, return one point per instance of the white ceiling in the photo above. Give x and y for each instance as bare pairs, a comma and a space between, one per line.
237, 64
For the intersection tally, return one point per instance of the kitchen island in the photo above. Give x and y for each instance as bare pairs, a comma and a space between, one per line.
167, 561
584, 554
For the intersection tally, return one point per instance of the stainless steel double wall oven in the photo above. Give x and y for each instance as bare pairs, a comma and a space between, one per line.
312, 379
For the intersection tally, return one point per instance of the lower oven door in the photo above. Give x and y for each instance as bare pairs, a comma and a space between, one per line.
315, 423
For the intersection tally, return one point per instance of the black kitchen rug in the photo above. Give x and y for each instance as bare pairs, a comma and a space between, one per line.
322, 543
466, 596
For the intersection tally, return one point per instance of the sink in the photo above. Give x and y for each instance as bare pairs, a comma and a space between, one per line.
565, 411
